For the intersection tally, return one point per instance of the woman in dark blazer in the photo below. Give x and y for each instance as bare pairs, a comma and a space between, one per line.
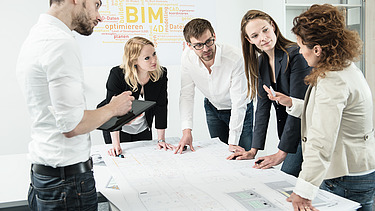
141, 74
280, 66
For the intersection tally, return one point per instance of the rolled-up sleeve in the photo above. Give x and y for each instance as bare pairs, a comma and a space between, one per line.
65, 79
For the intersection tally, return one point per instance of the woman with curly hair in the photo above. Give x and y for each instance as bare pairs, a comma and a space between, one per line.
336, 115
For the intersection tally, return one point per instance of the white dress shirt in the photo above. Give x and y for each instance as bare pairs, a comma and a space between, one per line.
50, 74
225, 87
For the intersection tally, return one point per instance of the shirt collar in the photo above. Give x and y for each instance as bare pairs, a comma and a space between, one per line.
217, 61
49, 19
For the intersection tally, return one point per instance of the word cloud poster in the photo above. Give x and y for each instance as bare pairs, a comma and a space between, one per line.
161, 21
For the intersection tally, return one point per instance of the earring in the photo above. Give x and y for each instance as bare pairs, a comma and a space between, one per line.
135, 66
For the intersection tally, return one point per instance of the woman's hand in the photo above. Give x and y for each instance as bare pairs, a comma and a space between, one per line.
301, 204
278, 97
270, 160
115, 150
242, 155
166, 146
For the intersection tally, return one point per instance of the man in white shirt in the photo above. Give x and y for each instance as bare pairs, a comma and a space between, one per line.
218, 72
50, 73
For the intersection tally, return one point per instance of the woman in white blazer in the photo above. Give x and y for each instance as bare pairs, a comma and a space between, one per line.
336, 115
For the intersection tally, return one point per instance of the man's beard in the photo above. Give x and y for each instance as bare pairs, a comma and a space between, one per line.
83, 23
208, 58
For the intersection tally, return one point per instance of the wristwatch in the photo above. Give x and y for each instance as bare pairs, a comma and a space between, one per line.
161, 140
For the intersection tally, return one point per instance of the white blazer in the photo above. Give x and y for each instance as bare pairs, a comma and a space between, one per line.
336, 129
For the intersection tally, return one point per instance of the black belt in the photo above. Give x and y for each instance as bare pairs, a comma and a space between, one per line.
63, 171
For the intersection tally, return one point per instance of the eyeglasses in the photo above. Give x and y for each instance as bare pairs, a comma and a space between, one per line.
200, 46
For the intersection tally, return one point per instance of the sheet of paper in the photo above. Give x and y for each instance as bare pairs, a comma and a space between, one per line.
105, 183
152, 179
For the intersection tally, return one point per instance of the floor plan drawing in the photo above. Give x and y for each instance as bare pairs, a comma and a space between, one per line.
152, 179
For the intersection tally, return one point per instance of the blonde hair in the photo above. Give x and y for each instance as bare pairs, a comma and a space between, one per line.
132, 50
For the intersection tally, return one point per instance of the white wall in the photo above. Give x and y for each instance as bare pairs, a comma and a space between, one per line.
18, 17
21, 15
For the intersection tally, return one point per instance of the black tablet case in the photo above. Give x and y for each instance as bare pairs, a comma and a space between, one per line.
138, 107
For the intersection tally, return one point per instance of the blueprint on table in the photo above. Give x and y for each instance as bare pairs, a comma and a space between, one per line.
153, 179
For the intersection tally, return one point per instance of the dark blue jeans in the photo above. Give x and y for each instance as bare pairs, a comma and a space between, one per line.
218, 124
76, 192
292, 163
357, 188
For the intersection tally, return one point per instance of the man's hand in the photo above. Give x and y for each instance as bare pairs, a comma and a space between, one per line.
122, 103
187, 139
235, 148
301, 204
271, 160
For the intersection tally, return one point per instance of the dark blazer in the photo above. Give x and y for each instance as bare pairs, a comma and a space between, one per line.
289, 81
153, 91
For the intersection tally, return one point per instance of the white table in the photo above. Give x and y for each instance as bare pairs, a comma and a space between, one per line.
152, 179
137, 174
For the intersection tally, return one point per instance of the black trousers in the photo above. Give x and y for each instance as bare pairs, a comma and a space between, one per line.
126, 137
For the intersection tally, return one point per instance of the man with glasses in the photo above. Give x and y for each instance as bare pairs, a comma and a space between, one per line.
217, 70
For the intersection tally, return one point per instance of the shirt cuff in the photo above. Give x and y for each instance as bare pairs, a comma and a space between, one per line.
291, 108
296, 108
68, 120
305, 189
186, 125
234, 139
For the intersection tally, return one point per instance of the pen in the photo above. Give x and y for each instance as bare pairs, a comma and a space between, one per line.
273, 93
258, 161
234, 157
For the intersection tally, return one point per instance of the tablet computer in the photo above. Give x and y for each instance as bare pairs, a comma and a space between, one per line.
138, 107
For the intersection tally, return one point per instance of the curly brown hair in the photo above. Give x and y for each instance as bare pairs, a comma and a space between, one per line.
324, 25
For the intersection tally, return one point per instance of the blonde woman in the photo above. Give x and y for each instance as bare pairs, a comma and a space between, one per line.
140, 73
